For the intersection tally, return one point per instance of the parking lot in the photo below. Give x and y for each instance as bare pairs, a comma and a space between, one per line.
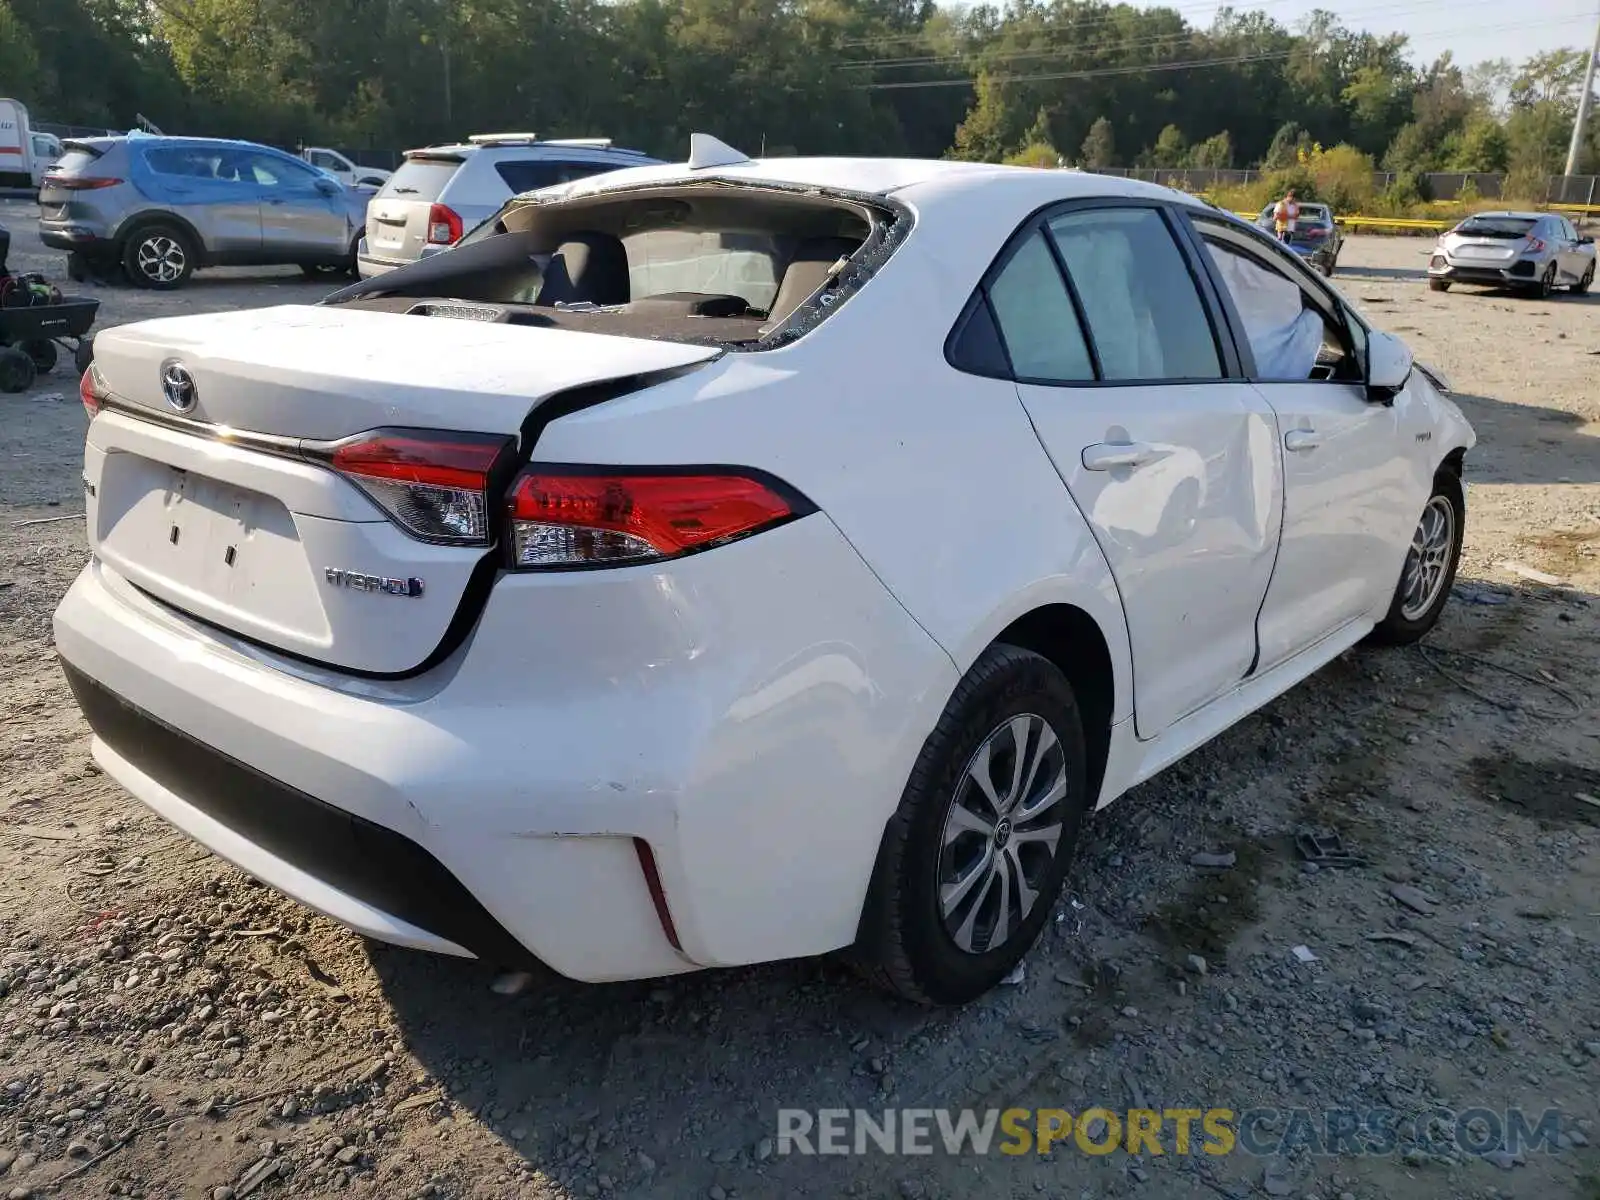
169, 1028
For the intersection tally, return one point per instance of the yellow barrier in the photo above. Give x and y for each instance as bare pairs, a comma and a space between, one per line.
1420, 225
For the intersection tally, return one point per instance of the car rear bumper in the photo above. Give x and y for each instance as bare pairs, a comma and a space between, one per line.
367, 266
750, 715
1516, 274
70, 236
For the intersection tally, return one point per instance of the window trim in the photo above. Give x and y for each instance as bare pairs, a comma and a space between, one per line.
1228, 361
1248, 241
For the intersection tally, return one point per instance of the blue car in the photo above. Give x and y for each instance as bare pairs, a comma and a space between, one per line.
1315, 238
161, 208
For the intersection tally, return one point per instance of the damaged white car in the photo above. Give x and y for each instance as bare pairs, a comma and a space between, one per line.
731, 561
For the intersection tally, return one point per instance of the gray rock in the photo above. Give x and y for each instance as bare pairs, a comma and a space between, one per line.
222, 1193
348, 1155
716, 1192
1413, 898
1577, 1137
722, 1156
646, 1163
1197, 964
1592, 1049
1503, 1159
7, 1157
1216, 862
763, 1149
911, 1189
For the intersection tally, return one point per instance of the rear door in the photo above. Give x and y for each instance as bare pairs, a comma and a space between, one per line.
1172, 461
1348, 493
397, 217
203, 184
299, 218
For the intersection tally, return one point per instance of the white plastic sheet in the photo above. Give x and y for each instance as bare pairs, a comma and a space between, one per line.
1284, 334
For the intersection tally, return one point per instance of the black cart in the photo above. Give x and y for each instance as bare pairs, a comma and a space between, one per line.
29, 337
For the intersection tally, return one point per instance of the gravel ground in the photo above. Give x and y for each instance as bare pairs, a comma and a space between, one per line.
169, 1028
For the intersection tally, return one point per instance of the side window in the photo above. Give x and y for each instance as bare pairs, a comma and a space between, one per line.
1036, 317
530, 176
1143, 309
191, 163
269, 171
328, 162
1290, 338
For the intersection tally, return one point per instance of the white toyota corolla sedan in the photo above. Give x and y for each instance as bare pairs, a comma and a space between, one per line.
740, 560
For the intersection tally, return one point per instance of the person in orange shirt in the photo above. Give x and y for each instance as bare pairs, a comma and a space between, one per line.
1285, 215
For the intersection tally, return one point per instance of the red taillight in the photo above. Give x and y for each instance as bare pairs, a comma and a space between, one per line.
90, 392
1535, 244
444, 226
434, 485
79, 183
566, 517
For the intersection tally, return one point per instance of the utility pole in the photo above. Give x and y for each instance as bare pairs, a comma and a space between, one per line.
1583, 105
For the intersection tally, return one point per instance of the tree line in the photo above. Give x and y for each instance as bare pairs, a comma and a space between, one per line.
1078, 81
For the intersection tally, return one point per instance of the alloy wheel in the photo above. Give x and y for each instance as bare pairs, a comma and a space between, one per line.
1001, 832
1428, 560
161, 259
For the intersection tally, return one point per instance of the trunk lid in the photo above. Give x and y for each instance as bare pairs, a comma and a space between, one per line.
259, 537
398, 215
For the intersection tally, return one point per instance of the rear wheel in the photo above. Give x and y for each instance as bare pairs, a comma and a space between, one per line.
16, 370
159, 256
1438, 285
1430, 566
1546, 284
84, 354
43, 354
974, 857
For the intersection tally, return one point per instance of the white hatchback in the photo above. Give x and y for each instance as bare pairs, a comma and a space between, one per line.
734, 561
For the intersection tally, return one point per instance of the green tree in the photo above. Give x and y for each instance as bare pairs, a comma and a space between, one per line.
1285, 147
1099, 146
1171, 148
1215, 152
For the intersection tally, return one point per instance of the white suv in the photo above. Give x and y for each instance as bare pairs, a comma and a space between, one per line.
441, 192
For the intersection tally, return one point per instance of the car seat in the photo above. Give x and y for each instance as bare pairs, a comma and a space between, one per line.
808, 270
587, 268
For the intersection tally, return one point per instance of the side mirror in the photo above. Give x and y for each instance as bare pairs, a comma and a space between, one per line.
1585, 240
1389, 362
328, 187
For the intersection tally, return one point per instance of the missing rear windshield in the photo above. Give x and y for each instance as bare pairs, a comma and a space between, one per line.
733, 265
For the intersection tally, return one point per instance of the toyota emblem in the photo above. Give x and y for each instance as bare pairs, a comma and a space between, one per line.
177, 385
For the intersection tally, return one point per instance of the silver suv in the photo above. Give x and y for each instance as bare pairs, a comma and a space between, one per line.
441, 192
161, 207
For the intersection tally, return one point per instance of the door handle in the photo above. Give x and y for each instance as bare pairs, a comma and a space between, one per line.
1105, 456
274, 200
1301, 440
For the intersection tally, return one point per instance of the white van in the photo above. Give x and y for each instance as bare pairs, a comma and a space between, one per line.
24, 155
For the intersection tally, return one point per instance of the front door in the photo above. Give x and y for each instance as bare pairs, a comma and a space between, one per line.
1348, 491
299, 220
1172, 463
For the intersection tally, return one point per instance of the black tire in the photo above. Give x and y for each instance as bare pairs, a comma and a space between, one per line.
1585, 282
322, 271
1546, 285
83, 356
903, 943
16, 370
1438, 285
1403, 625
43, 354
77, 267
159, 256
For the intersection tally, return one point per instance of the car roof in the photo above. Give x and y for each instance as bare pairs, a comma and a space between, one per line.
588, 148
150, 139
908, 177
1515, 215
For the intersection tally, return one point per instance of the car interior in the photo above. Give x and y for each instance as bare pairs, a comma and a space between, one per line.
718, 265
